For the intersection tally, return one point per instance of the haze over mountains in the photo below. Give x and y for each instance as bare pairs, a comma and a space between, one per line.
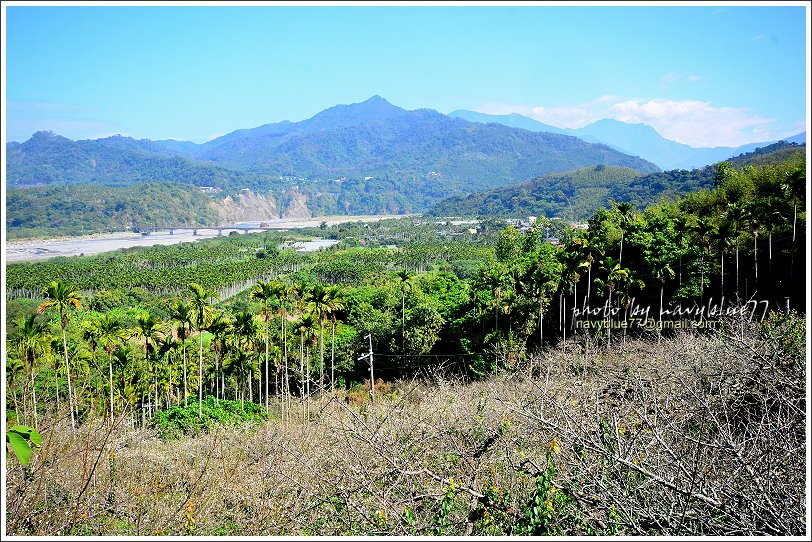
370, 157
634, 139
365, 158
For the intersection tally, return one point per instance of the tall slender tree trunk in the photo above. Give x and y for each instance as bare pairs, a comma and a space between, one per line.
660, 316
67, 373
755, 257
737, 273
792, 252
110, 367
722, 287
200, 377
267, 333
609, 321
56, 388
307, 394
286, 383
301, 368
34, 396
321, 357
333, 356
185, 395
168, 402
217, 376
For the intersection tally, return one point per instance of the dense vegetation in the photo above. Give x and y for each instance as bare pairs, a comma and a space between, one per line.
139, 337
481, 299
48, 158
577, 194
60, 210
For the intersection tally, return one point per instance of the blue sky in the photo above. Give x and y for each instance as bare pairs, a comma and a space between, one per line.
705, 75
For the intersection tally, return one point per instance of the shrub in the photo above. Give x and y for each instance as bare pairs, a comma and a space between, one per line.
177, 421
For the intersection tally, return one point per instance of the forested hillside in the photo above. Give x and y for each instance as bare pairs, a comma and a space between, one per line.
80, 209
48, 158
575, 195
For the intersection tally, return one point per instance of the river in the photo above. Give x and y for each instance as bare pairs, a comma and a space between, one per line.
30, 250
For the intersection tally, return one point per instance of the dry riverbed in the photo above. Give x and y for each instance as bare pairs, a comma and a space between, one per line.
21, 250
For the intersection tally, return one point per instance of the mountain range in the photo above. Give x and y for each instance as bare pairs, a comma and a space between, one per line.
365, 158
370, 157
634, 139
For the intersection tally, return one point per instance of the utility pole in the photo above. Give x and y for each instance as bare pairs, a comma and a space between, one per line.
371, 367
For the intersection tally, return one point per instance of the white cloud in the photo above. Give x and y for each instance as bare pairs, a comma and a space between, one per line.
696, 123
693, 122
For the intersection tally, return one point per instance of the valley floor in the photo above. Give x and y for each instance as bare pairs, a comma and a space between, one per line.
686, 435
21, 250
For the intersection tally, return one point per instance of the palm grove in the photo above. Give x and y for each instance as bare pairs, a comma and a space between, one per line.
300, 334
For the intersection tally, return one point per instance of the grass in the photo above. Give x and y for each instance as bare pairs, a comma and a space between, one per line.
690, 435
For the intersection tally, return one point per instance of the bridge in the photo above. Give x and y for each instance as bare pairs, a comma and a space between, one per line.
149, 230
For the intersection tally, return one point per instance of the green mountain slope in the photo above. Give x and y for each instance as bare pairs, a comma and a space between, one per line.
48, 159
577, 194
78, 209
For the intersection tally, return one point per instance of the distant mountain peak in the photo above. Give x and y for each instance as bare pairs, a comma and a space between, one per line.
47, 137
45, 134
620, 125
377, 99
340, 116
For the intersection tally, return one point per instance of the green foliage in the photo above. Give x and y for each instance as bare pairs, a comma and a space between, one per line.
579, 193
492, 516
572, 194
439, 296
80, 209
178, 421
48, 158
441, 524
551, 510
21, 439
788, 333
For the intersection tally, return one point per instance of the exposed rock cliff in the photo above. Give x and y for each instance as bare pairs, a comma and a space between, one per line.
295, 205
247, 207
